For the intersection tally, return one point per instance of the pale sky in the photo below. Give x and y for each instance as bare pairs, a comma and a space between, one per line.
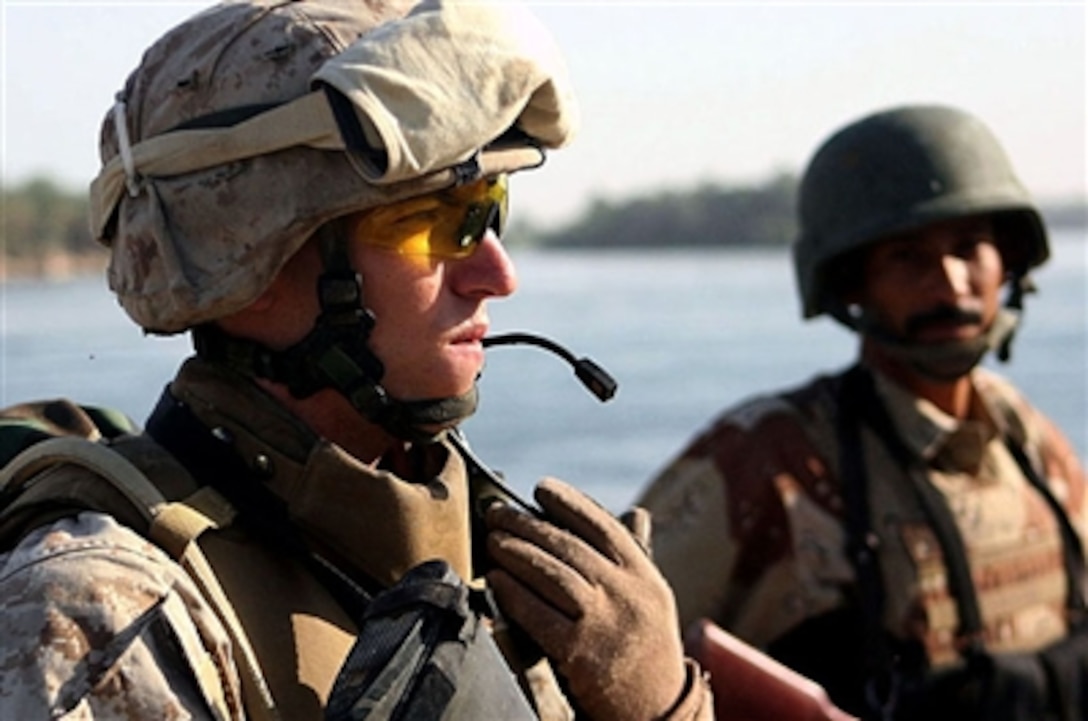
674, 94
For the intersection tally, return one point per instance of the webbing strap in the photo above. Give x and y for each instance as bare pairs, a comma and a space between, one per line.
178, 524
200, 661
307, 120
1072, 548
862, 545
175, 529
260, 706
100, 460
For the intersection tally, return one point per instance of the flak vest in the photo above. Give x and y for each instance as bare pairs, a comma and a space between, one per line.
285, 600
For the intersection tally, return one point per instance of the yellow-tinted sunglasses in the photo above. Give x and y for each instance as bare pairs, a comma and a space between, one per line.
448, 224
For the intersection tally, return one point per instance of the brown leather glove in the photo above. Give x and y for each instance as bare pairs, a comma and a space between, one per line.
585, 590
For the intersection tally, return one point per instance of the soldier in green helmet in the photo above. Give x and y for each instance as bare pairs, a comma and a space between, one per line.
316, 191
907, 532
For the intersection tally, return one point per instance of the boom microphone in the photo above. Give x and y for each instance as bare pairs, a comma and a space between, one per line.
488, 485
592, 376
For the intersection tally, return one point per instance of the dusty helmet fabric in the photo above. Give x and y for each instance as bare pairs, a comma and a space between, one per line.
191, 245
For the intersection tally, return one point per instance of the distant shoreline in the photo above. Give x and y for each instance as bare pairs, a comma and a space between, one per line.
57, 266
53, 266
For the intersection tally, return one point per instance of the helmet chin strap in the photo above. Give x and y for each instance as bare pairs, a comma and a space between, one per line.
950, 360
336, 354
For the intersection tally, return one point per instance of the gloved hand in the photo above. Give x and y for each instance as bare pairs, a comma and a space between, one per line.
585, 590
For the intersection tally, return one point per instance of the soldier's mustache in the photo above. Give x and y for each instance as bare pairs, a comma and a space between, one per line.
942, 315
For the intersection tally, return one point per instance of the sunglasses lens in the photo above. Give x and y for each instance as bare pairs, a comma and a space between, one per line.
449, 224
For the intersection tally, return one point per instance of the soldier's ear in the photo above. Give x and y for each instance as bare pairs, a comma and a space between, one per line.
265, 300
286, 309
294, 289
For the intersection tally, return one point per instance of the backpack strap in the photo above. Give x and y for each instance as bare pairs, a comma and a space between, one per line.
174, 526
21, 472
176, 529
882, 687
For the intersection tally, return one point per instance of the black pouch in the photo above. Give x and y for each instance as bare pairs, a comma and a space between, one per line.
999, 687
1049, 685
424, 653
1066, 666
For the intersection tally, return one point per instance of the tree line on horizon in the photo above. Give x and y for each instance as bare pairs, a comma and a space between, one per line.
707, 216
39, 218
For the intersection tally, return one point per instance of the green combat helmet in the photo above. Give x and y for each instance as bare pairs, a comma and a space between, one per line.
898, 170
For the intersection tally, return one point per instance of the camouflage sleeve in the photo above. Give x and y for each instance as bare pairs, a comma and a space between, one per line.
745, 523
1064, 473
691, 539
99, 623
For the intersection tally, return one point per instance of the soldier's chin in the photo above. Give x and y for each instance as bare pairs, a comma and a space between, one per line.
946, 360
939, 333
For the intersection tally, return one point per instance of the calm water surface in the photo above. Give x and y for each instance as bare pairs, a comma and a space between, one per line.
686, 334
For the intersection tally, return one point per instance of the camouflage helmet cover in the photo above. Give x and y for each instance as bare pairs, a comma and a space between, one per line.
898, 170
192, 241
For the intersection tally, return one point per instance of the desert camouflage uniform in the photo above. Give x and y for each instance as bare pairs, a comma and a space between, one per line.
748, 519
100, 622
202, 198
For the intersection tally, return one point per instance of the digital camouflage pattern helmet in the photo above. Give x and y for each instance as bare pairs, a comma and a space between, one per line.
253, 123
898, 170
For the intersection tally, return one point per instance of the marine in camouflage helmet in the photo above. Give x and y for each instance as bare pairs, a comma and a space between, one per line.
252, 125
316, 189
896, 171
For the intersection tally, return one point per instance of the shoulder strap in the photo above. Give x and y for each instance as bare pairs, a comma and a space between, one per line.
881, 691
21, 471
172, 525
1072, 547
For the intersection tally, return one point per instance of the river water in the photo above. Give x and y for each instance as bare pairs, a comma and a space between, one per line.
686, 334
